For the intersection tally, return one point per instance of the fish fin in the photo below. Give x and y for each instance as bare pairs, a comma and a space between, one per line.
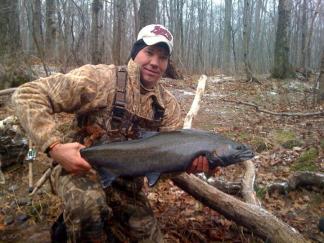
214, 161
153, 177
106, 177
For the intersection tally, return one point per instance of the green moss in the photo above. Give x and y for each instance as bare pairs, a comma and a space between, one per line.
322, 143
260, 191
286, 138
292, 143
306, 161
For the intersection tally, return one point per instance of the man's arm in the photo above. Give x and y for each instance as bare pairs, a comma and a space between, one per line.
36, 102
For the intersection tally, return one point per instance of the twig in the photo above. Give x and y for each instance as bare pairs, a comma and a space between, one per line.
257, 108
41, 181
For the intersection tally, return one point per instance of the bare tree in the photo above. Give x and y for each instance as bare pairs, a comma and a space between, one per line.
147, 12
227, 36
321, 79
246, 38
207, 33
118, 30
282, 67
10, 42
51, 29
37, 30
96, 54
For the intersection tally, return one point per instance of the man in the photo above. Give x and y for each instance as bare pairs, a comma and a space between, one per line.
111, 104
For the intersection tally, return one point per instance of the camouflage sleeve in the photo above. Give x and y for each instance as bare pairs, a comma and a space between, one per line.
172, 116
36, 102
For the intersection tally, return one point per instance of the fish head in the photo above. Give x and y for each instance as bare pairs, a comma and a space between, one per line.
230, 153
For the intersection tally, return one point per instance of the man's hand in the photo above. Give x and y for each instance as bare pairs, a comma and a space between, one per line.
68, 156
199, 164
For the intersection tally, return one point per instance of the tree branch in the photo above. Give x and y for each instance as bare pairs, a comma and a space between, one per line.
318, 113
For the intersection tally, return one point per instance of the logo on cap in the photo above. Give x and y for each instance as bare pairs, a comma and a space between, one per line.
158, 30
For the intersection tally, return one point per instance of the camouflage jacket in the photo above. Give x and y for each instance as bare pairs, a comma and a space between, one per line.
89, 89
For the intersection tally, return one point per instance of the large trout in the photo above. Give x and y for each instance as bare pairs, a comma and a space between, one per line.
163, 152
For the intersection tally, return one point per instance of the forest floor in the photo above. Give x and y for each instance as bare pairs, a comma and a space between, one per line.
284, 145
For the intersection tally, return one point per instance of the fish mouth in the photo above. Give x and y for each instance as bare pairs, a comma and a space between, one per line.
244, 155
238, 156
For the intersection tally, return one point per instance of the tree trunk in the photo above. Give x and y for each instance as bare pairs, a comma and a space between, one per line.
282, 68
321, 80
227, 36
50, 35
118, 29
96, 54
37, 27
246, 38
147, 12
10, 43
304, 34
136, 18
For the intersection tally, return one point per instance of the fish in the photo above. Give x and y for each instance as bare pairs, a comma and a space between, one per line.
157, 153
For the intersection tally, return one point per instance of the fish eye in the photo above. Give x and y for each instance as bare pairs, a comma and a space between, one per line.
239, 147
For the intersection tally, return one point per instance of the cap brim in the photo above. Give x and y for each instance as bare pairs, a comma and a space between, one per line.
152, 40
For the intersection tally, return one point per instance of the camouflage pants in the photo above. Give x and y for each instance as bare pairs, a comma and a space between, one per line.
92, 215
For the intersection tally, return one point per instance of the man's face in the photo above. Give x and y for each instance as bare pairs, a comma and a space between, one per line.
153, 61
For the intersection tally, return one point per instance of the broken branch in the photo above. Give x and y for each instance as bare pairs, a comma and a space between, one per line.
255, 218
257, 108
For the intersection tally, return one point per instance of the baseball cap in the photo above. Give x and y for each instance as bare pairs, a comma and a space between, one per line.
156, 33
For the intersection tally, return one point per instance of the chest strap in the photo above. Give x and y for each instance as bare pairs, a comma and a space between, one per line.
119, 105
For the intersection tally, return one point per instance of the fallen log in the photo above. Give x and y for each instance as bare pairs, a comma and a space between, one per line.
258, 109
232, 188
298, 179
253, 217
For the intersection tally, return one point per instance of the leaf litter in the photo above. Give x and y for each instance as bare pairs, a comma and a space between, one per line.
183, 219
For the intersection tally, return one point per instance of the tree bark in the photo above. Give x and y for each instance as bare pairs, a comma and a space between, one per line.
10, 42
246, 40
297, 180
147, 12
37, 30
257, 219
118, 30
51, 29
12, 69
321, 80
282, 68
227, 36
136, 18
96, 54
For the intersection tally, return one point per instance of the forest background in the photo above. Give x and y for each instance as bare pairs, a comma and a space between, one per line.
210, 36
